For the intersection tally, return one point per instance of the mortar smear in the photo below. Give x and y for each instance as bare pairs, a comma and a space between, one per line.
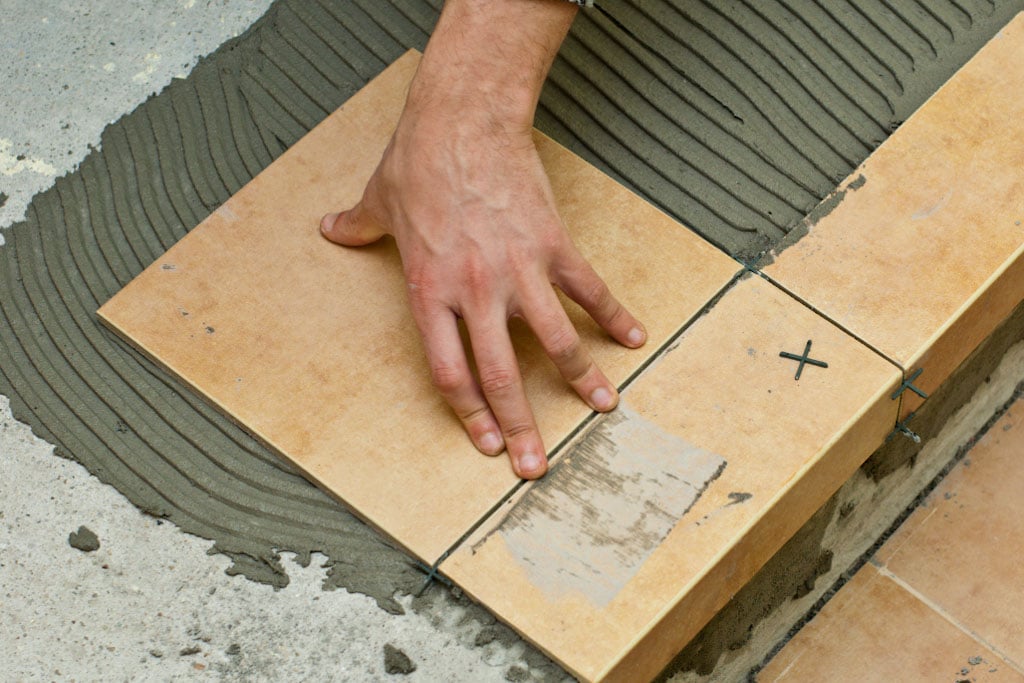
593, 521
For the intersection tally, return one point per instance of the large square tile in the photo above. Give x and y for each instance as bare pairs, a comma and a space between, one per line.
874, 630
311, 347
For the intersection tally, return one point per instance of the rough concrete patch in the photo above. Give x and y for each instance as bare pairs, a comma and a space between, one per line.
472, 625
517, 674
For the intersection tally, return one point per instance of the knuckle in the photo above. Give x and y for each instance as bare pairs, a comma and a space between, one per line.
476, 278
564, 346
477, 281
516, 429
615, 314
421, 288
417, 278
597, 293
447, 379
498, 380
604, 304
469, 415
575, 374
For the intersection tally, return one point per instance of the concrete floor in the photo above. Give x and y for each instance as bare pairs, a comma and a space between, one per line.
150, 604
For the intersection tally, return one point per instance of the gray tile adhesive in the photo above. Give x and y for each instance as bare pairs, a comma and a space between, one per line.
736, 117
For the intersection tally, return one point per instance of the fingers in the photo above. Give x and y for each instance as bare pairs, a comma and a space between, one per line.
584, 286
352, 228
451, 376
562, 344
502, 386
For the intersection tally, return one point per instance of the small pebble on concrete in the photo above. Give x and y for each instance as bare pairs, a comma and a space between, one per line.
396, 661
84, 539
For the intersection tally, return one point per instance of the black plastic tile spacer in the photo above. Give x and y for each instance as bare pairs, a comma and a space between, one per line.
432, 575
901, 428
805, 359
908, 383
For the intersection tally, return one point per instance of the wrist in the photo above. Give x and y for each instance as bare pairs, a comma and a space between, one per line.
488, 60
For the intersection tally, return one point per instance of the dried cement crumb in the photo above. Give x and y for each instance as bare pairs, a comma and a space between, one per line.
517, 674
486, 636
396, 661
84, 539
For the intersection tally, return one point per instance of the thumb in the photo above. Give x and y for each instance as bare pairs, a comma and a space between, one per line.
352, 228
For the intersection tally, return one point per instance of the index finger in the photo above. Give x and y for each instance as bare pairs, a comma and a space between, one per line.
582, 284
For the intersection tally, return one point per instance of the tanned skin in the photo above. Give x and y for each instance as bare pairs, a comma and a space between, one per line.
462, 191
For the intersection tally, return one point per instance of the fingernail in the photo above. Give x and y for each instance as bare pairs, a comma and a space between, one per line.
636, 336
529, 462
602, 399
490, 443
327, 222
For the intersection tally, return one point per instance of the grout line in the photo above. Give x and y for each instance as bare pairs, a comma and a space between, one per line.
935, 607
562, 445
909, 533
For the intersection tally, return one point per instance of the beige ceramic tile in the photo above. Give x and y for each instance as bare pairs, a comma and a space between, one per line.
310, 346
924, 256
961, 549
874, 630
651, 520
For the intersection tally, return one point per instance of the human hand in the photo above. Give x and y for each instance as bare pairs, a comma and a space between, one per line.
462, 190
